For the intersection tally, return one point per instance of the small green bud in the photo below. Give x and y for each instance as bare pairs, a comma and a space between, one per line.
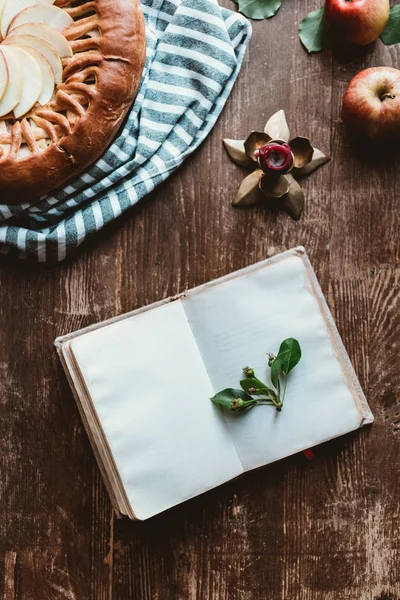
238, 404
271, 358
248, 372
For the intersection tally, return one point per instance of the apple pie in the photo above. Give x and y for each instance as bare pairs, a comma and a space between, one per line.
69, 72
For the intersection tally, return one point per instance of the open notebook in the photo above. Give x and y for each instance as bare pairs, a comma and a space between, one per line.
143, 383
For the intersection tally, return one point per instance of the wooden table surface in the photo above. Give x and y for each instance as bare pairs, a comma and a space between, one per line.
298, 530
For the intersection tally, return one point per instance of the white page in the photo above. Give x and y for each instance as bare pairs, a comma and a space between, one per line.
237, 322
151, 391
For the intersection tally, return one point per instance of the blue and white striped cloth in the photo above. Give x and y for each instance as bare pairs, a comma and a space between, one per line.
195, 50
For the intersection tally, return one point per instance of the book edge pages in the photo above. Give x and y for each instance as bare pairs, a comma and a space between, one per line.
351, 376
97, 437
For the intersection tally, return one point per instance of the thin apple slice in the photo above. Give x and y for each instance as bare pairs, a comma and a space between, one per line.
13, 92
32, 79
4, 77
2, 4
41, 46
54, 17
46, 33
47, 74
13, 7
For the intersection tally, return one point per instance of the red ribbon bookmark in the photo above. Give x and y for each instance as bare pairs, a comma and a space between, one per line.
308, 454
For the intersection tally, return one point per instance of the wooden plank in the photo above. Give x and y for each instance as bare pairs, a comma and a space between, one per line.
55, 525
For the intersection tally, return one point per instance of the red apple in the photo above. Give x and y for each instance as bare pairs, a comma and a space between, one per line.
358, 22
371, 104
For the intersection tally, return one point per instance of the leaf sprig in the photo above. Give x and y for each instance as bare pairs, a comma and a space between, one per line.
255, 392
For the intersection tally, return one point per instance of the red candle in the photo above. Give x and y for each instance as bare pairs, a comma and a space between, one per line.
275, 156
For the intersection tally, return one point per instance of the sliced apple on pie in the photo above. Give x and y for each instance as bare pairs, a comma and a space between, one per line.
52, 16
42, 47
32, 81
48, 81
69, 71
12, 8
33, 47
3, 75
46, 33
13, 91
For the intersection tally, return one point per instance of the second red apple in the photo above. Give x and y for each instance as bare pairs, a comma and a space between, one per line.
357, 22
371, 104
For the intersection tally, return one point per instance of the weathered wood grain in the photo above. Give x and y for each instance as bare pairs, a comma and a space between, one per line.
298, 530
55, 523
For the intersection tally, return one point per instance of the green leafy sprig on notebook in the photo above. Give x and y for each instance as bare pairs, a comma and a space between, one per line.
256, 393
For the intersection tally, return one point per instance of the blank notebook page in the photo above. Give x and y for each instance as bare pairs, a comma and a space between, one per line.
151, 391
237, 322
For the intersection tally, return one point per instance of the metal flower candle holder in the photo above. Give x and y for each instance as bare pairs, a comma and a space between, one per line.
277, 164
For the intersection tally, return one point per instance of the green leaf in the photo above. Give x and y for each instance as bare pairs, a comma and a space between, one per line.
226, 397
391, 34
289, 355
258, 9
275, 372
311, 30
253, 382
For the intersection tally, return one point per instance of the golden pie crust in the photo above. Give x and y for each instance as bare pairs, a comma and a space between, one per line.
53, 143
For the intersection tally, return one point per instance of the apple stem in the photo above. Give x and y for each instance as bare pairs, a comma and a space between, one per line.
387, 96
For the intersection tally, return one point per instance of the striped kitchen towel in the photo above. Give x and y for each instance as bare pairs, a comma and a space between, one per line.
195, 50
